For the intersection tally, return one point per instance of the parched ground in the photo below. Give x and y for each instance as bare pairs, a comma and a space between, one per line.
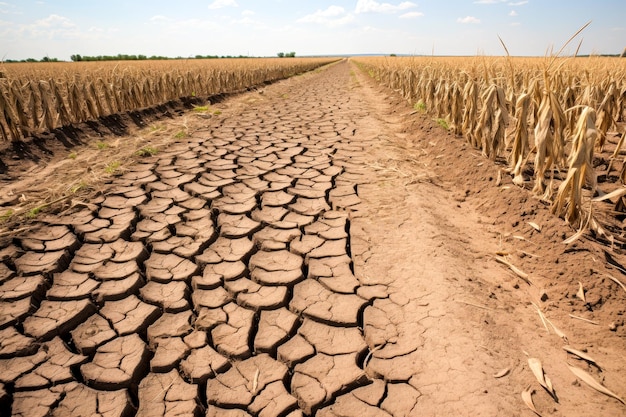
318, 248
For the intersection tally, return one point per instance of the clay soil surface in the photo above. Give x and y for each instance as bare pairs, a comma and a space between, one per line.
315, 247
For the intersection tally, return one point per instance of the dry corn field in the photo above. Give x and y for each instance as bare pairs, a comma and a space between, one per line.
40, 97
557, 122
321, 246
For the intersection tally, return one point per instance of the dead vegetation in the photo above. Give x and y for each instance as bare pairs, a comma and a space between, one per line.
553, 119
36, 98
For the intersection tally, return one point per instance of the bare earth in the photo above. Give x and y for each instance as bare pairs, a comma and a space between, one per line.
318, 248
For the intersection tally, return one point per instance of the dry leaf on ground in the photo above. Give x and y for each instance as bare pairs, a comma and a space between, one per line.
581, 292
537, 368
589, 380
581, 355
523, 275
527, 397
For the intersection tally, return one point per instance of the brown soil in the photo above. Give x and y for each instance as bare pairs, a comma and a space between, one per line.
318, 248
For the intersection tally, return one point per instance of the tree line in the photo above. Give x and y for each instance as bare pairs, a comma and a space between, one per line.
126, 57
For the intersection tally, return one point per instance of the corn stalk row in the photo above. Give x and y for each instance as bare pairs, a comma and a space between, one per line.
545, 116
38, 97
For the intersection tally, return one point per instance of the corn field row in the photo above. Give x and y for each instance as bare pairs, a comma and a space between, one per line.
545, 116
38, 97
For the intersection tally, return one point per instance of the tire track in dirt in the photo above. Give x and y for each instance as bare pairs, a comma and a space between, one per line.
215, 278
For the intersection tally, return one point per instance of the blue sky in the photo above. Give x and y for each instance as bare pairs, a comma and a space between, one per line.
60, 28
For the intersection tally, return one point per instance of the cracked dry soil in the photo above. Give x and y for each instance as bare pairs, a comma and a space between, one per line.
316, 250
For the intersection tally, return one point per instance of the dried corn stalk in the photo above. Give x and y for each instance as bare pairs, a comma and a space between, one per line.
470, 97
49, 96
492, 122
456, 109
519, 145
569, 199
606, 112
8, 114
549, 141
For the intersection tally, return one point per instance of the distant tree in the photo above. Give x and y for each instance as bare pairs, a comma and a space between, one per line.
76, 58
290, 55
281, 54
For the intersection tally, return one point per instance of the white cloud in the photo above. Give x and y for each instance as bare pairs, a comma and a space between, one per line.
367, 6
246, 21
6, 8
489, 1
159, 19
219, 4
516, 24
54, 20
518, 3
411, 15
333, 16
468, 19
247, 13
51, 28
194, 24
332, 11
513, 13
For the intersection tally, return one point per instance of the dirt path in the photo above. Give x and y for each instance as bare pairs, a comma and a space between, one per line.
307, 253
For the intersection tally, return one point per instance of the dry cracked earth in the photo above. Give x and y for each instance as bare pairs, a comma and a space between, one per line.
279, 261
216, 278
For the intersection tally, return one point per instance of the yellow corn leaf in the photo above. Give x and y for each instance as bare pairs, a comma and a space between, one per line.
575, 236
581, 292
584, 319
613, 194
523, 275
580, 354
557, 331
527, 397
617, 281
537, 368
589, 380
543, 318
